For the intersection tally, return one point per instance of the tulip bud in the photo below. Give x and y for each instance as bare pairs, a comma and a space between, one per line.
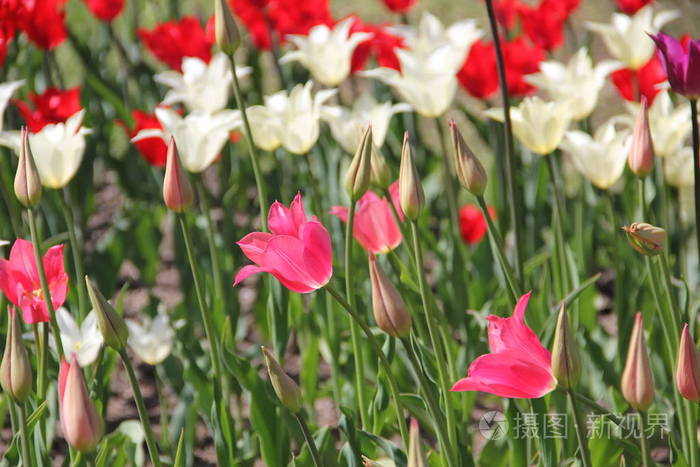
225, 30
389, 309
411, 197
637, 382
177, 191
27, 181
357, 178
641, 155
566, 363
416, 457
82, 425
287, 390
381, 173
688, 368
111, 325
15, 370
470, 172
645, 238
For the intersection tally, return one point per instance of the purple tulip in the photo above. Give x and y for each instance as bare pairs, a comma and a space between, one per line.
682, 64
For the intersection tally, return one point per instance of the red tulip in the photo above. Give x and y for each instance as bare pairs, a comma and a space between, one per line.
297, 251
154, 150
51, 106
472, 224
518, 365
506, 12
380, 46
19, 280
631, 6
81, 423
172, 41
633, 85
399, 6
11, 16
105, 10
544, 24
42, 22
374, 227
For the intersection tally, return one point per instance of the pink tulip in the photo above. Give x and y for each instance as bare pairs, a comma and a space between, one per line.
19, 280
81, 424
297, 251
374, 226
518, 365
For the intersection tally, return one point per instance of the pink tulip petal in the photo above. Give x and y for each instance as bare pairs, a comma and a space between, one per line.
22, 259
394, 192
297, 209
674, 59
375, 227
247, 271
318, 254
286, 221
284, 258
512, 333
341, 212
505, 374
254, 244
7, 282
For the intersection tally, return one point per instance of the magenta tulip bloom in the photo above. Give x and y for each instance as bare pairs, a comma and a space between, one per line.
19, 280
518, 366
374, 227
682, 64
297, 251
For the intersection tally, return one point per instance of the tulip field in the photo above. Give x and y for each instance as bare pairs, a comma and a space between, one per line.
385, 233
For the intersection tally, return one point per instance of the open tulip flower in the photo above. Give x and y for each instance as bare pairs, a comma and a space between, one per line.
85, 340
297, 251
152, 340
374, 227
682, 63
19, 280
518, 365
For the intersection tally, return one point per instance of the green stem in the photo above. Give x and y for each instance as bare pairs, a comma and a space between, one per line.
432, 332
497, 247
262, 198
508, 133
580, 430
75, 251
393, 389
141, 407
354, 331
696, 165
643, 441
449, 183
46, 292
211, 240
24, 440
559, 227
309, 440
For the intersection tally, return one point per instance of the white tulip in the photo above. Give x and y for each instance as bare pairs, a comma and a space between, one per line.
201, 86
58, 149
627, 37
6, 91
578, 82
601, 158
288, 120
670, 126
153, 340
200, 136
347, 125
538, 124
326, 52
427, 78
678, 168
85, 340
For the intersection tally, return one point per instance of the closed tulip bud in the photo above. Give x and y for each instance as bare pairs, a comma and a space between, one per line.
225, 30
27, 181
286, 389
641, 155
637, 381
416, 457
566, 362
470, 172
411, 196
688, 368
81, 423
381, 173
111, 325
177, 191
390, 311
15, 370
645, 238
360, 170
